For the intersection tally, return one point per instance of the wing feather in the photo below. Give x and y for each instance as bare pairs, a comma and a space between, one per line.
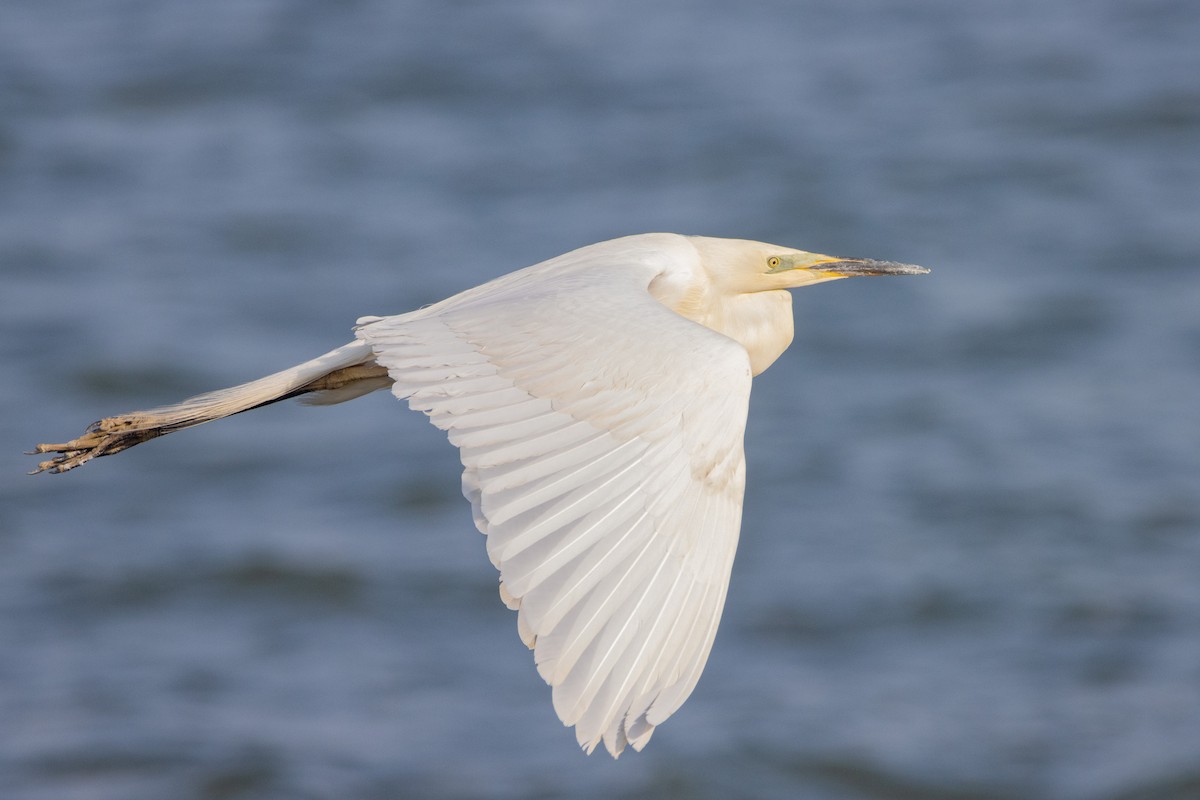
601, 440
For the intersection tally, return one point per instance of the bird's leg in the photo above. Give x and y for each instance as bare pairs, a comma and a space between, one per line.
114, 434
103, 438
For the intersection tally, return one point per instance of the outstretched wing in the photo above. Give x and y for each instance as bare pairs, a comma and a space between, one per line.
601, 435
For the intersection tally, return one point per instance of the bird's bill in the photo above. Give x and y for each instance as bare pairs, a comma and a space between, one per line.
830, 267
850, 267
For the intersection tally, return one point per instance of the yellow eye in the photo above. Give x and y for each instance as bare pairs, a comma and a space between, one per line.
773, 262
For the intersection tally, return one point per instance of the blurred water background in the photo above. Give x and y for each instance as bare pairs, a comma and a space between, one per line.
971, 547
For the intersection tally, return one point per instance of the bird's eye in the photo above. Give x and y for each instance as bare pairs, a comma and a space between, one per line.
773, 262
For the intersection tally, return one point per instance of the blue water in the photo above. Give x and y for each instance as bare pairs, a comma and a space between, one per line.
971, 548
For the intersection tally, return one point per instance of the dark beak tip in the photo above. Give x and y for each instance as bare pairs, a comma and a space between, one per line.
893, 268
866, 266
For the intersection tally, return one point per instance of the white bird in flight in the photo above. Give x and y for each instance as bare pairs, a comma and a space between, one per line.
598, 401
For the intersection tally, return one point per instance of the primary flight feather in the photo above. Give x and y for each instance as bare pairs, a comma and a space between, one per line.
598, 401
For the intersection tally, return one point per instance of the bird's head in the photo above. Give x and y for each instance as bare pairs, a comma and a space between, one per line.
745, 267
735, 287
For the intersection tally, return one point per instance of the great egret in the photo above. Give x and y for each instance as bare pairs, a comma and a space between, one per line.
598, 401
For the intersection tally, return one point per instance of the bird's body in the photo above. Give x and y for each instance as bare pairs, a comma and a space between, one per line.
598, 401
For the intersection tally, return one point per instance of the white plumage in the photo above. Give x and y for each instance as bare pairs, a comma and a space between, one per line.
598, 401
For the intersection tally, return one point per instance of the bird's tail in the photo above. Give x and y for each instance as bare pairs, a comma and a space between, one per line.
339, 375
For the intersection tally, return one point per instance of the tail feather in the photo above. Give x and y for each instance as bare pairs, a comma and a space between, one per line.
339, 375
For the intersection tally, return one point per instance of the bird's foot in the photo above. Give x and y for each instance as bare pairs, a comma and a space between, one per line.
109, 435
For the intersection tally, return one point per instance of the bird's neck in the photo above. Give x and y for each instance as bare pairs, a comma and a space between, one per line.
761, 322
